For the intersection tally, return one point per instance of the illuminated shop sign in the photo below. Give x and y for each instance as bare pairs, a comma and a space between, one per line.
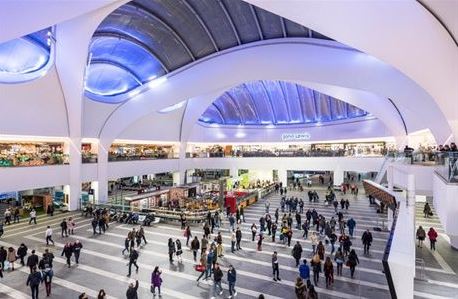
295, 136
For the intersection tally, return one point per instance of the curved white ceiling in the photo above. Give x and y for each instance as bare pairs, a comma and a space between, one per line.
319, 62
401, 33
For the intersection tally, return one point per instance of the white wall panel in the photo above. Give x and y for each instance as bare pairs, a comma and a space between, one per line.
35, 108
132, 168
24, 178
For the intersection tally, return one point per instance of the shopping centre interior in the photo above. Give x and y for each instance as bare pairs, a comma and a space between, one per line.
199, 113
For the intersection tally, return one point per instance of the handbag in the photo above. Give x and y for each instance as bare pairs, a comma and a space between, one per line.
151, 288
200, 268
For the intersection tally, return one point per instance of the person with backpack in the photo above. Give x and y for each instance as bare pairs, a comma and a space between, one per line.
352, 262
133, 256
304, 270
366, 238
231, 279
156, 281
297, 252
421, 235
22, 252
427, 210
45, 265
131, 292
432, 235
33, 280
217, 278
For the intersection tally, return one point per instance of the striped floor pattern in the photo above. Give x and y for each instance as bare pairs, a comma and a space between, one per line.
103, 266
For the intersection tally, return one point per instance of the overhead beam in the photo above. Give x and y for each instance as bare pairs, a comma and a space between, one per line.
283, 27
231, 22
270, 102
256, 20
252, 101
202, 23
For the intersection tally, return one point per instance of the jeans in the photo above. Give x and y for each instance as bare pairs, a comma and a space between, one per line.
217, 284
130, 266
34, 219
231, 288
276, 272
366, 248
316, 277
350, 231
34, 290
77, 256
432, 244
232, 246
49, 239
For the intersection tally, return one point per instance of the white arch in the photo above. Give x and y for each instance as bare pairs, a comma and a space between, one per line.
315, 62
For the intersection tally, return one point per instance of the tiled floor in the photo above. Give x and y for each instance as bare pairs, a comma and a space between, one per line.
439, 278
103, 266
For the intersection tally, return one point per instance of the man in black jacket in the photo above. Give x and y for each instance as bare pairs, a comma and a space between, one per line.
238, 238
275, 268
132, 291
367, 240
64, 228
34, 280
217, 277
133, 256
32, 260
22, 252
3, 254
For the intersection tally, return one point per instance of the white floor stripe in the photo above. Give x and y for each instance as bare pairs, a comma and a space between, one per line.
12, 293
111, 275
33, 227
145, 266
428, 295
443, 283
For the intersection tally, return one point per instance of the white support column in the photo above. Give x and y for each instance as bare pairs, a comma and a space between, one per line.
338, 176
389, 175
410, 198
95, 187
283, 177
102, 171
234, 172
75, 174
178, 178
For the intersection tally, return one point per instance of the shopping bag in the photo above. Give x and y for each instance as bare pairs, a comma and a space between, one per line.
200, 268
6, 265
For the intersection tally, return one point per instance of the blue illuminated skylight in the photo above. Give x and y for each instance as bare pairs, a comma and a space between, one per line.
26, 58
272, 103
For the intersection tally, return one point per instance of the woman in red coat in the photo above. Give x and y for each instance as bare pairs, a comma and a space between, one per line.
432, 235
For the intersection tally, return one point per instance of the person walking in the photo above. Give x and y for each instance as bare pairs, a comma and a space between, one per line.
133, 256
242, 214
260, 239
172, 249
300, 289
33, 217
101, 223
352, 262
297, 252
45, 265
11, 257
421, 235
187, 234
3, 255
312, 294
179, 251
366, 238
432, 235
203, 245
253, 231
94, 223
77, 246
156, 281
67, 251
217, 278
195, 245
131, 292
340, 260
141, 232
48, 235
71, 225
233, 241
314, 241
126, 245
274, 231
427, 210
64, 228
33, 280
351, 223
316, 267
238, 238
275, 267
32, 260
320, 250
231, 279
304, 271
203, 266
102, 294
22, 252
328, 269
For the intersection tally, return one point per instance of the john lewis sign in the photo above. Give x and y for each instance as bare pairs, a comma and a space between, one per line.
295, 136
